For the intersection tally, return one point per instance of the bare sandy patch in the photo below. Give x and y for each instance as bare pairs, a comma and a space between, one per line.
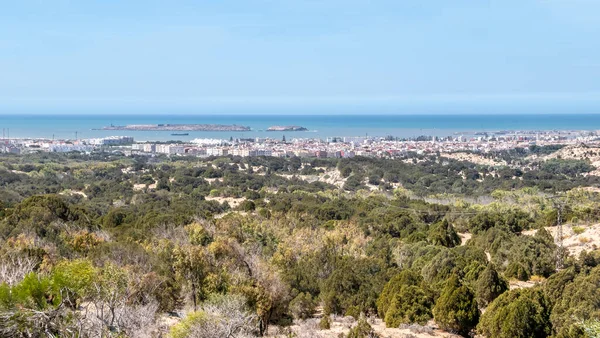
474, 158
576, 238
232, 201
74, 192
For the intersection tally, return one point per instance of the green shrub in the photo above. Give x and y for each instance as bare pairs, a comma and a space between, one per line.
489, 285
456, 310
325, 323
578, 302
517, 313
518, 271
410, 305
302, 306
443, 233
362, 329
403, 279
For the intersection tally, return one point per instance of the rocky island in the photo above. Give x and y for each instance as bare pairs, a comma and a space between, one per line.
178, 127
286, 128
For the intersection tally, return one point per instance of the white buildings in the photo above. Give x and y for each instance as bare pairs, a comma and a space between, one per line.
110, 141
169, 149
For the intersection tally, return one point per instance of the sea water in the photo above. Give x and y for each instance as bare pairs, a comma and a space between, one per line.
319, 126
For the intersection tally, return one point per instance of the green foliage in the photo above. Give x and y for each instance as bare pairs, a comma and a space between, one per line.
578, 302
410, 305
302, 306
489, 285
517, 313
518, 271
362, 329
443, 233
394, 286
306, 241
456, 309
183, 329
325, 323
353, 287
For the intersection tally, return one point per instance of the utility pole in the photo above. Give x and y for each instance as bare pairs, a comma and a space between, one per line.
559, 205
559, 234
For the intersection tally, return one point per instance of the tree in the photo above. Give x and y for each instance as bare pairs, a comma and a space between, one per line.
489, 285
456, 309
394, 286
578, 302
519, 313
443, 233
190, 265
410, 305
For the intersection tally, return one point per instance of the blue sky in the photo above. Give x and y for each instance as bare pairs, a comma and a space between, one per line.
197, 56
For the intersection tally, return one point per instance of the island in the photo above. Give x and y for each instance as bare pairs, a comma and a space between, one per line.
177, 127
286, 128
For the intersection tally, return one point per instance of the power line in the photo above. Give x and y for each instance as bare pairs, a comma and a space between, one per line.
559, 204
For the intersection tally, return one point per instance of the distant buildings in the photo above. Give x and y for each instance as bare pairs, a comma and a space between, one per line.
338, 147
110, 141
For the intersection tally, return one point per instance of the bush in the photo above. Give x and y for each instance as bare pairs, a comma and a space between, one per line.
517, 313
489, 285
221, 316
456, 309
578, 302
403, 279
518, 271
410, 305
303, 306
444, 234
362, 329
325, 323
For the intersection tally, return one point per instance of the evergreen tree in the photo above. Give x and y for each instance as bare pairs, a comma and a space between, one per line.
489, 285
456, 309
444, 234
394, 286
410, 305
519, 313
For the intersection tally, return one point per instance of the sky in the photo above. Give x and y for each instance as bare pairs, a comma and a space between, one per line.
297, 55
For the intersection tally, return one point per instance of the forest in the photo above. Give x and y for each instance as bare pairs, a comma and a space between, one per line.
108, 245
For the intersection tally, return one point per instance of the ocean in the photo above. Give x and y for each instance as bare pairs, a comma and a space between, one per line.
319, 126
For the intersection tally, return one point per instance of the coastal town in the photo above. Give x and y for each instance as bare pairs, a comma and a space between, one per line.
332, 147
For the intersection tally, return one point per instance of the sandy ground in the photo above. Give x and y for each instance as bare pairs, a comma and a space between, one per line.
332, 176
517, 284
233, 202
74, 192
139, 187
474, 158
310, 329
464, 237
